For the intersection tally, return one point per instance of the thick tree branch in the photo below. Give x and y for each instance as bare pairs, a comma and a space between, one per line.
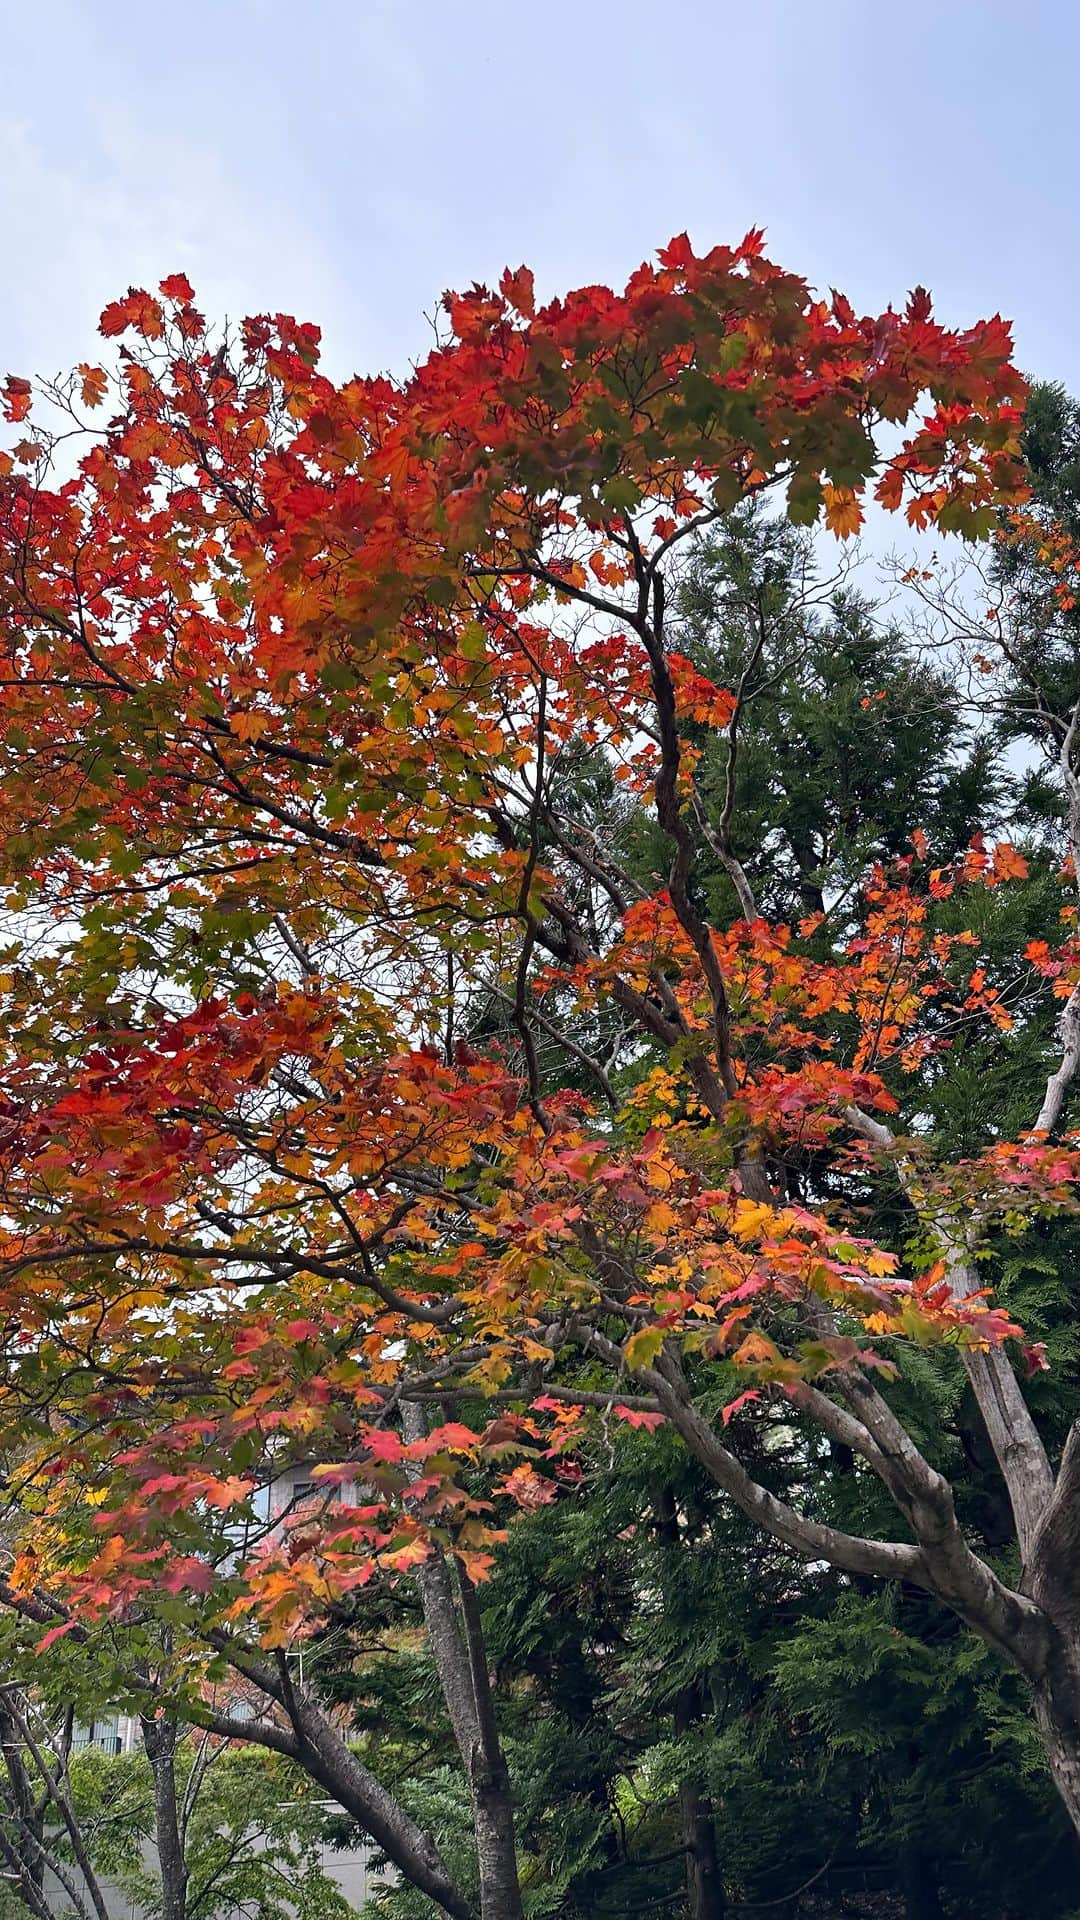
1015, 1439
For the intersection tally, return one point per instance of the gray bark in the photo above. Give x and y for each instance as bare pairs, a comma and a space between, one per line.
457, 1644
23, 1810
1057, 1712
159, 1742
325, 1756
315, 1744
39, 1799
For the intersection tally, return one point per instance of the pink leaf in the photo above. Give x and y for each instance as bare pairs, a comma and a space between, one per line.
733, 1406
54, 1633
636, 1417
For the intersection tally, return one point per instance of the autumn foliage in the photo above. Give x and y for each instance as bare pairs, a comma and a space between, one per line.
288, 669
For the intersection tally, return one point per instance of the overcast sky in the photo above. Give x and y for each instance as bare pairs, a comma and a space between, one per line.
348, 161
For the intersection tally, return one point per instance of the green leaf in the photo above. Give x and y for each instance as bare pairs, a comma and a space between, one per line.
734, 351
642, 1348
472, 642
804, 499
338, 676
621, 493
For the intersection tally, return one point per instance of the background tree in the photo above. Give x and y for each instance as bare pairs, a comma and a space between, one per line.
185, 1827
846, 739
253, 1832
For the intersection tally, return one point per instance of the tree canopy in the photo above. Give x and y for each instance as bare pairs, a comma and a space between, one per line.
489, 956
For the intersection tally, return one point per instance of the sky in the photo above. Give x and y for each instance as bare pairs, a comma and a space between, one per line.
348, 162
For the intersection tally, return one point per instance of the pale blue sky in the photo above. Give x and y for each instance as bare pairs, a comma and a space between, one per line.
348, 161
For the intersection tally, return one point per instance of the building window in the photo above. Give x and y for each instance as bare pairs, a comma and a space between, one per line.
99, 1733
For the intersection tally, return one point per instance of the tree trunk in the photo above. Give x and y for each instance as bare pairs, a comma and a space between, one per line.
29, 1819
456, 1635
159, 1742
1052, 1578
705, 1896
313, 1741
919, 1885
706, 1899
496, 1854
1057, 1710
326, 1757
489, 1776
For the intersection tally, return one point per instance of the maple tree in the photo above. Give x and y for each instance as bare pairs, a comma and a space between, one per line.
291, 669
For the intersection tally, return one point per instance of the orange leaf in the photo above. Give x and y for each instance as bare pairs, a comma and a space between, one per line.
843, 514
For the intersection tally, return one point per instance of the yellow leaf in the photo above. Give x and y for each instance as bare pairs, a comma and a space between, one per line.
752, 1220
660, 1218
